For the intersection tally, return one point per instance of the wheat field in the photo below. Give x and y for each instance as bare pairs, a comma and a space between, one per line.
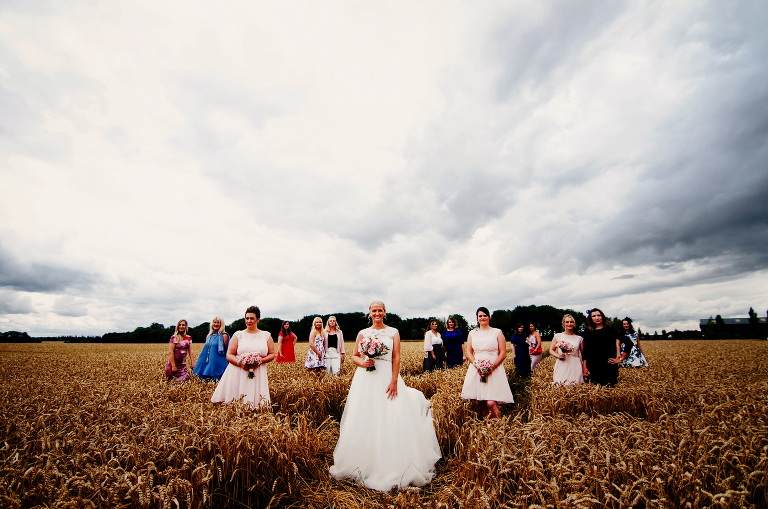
95, 425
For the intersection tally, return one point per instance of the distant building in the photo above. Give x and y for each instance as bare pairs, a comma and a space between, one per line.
734, 328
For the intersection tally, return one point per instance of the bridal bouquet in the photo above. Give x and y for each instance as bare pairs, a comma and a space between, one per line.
564, 347
251, 360
485, 367
372, 347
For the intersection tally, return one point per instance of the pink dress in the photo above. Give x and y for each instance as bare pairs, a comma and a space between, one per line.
235, 383
496, 388
568, 370
180, 358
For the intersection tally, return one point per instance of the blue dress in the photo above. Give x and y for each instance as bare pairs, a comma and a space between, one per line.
211, 364
522, 355
454, 355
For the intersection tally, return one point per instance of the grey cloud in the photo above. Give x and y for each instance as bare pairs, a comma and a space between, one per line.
625, 276
11, 304
41, 277
67, 306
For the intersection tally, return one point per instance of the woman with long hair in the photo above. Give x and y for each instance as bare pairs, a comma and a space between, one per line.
519, 340
486, 380
534, 346
566, 348
315, 361
433, 348
246, 375
213, 359
334, 346
636, 358
453, 341
286, 340
386, 434
599, 362
179, 348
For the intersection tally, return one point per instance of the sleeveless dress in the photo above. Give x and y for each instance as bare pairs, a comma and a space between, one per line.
454, 355
636, 358
496, 388
522, 355
313, 361
286, 348
180, 358
535, 357
235, 383
211, 364
568, 370
383, 442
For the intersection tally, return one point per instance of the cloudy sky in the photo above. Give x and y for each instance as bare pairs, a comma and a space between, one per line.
161, 160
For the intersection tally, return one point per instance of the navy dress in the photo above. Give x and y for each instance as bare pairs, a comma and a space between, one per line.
211, 364
453, 341
522, 355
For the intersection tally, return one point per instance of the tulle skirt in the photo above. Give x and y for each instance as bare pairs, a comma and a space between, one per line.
382, 442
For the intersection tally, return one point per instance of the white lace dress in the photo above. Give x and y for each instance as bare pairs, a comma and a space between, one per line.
383, 442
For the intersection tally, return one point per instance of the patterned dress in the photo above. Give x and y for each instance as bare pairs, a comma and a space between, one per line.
313, 361
636, 358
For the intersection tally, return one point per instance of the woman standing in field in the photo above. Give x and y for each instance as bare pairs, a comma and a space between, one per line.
522, 353
636, 358
486, 350
246, 375
213, 359
316, 351
386, 437
433, 348
534, 343
453, 340
599, 362
286, 340
566, 347
334, 346
179, 348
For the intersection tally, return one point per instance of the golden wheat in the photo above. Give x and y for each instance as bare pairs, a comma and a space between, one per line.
96, 426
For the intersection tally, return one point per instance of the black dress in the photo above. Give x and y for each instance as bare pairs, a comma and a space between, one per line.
522, 355
599, 346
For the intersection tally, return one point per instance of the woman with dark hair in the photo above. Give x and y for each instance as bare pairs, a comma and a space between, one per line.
433, 348
286, 340
486, 350
246, 375
534, 342
179, 348
599, 362
519, 340
453, 341
636, 358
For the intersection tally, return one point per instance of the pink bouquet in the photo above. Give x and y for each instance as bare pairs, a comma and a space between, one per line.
565, 347
251, 360
485, 367
372, 347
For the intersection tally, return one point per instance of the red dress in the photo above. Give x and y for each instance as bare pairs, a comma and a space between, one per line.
287, 348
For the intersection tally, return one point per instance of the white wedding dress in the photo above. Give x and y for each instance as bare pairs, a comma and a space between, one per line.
383, 442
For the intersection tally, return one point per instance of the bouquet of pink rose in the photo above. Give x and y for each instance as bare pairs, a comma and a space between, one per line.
250, 360
485, 367
565, 347
372, 347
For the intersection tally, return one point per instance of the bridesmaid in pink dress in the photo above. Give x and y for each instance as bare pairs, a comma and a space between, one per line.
487, 343
568, 365
179, 348
235, 382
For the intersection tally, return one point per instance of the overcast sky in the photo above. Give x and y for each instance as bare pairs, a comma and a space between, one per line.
166, 160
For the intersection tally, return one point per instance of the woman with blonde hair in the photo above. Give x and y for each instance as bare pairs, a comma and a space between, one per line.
213, 359
334, 346
566, 348
316, 351
179, 348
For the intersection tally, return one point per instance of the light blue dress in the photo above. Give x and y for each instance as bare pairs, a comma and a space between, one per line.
211, 364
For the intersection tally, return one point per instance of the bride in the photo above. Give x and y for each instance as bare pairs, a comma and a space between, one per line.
386, 438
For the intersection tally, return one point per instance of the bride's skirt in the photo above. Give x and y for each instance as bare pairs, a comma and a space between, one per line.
383, 442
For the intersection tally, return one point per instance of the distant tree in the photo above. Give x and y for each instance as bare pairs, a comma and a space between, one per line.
663, 334
753, 317
17, 337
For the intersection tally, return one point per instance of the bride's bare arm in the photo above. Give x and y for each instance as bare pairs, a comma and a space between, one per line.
392, 388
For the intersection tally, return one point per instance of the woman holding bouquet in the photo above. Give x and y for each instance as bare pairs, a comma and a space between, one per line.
179, 348
519, 340
246, 375
534, 342
386, 437
486, 350
566, 347
315, 361
213, 359
285, 343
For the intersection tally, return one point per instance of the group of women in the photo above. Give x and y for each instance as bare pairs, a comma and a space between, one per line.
390, 422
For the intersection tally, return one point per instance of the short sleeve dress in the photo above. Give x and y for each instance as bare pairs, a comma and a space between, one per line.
180, 353
496, 388
235, 383
454, 354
